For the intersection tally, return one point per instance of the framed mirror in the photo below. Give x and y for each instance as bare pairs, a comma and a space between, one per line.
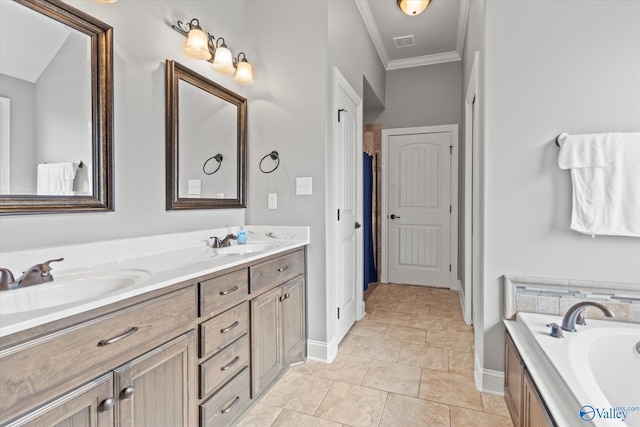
56, 109
206, 127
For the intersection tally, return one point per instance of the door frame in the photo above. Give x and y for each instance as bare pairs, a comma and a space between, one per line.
5, 146
471, 176
386, 134
339, 82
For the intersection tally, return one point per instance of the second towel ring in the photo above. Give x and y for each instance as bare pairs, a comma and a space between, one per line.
274, 156
218, 157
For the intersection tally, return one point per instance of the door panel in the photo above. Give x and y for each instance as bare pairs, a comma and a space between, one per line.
346, 158
158, 388
419, 207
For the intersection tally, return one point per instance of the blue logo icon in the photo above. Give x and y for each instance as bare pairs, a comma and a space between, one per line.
587, 413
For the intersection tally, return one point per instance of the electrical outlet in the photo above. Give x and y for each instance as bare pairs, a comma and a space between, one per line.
273, 200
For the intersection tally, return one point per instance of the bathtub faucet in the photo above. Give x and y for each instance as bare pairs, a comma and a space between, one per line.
569, 319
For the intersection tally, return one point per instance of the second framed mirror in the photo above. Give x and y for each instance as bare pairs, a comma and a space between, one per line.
206, 126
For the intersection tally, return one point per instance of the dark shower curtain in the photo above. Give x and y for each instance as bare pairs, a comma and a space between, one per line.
370, 275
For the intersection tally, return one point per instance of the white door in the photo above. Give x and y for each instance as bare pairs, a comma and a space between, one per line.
419, 208
347, 198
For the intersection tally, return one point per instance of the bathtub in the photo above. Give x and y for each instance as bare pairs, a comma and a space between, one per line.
588, 378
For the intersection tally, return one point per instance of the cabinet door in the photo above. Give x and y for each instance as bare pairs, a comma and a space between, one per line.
294, 320
513, 376
158, 388
266, 347
86, 406
534, 413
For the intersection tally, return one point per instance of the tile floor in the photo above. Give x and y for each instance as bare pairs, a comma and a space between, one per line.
409, 362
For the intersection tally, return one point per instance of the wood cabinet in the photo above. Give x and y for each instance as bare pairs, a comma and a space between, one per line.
534, 413
156, 389
194, 354
86, 406
278, 332
152, 390
525, 404
266, 340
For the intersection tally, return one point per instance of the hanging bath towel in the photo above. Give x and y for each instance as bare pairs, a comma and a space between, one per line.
605, 175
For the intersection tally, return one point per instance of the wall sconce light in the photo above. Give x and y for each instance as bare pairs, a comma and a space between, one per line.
413, 7
202, 45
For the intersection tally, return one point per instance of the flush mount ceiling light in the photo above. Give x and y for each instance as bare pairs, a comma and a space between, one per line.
202, 45
413, 7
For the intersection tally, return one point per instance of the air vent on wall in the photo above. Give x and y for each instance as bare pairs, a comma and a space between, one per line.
404, 41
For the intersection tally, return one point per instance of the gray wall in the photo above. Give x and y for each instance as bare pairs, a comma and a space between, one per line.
423, 96
22, 95
548, 71
288, 110
142, 41
287, 114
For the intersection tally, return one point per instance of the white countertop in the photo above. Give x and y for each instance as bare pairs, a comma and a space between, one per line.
160, 261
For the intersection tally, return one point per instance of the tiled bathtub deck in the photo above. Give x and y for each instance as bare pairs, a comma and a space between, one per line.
409, 363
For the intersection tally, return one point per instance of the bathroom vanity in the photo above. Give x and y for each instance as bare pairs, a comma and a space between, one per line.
190, 345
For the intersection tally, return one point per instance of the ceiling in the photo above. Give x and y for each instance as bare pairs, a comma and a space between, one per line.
438, 32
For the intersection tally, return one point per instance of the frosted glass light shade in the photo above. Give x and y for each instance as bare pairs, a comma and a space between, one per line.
197, 44
244, 73
413, 7
223, 61
106, 1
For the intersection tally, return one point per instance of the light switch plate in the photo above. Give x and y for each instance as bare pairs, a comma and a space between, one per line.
273, 200
194, 187
304, 186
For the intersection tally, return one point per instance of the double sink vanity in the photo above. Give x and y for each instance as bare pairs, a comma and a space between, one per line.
181, 337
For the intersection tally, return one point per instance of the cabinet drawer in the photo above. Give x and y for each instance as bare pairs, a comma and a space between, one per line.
225, 406
276, 271
37, 370
224, 365
222, 290
222, 330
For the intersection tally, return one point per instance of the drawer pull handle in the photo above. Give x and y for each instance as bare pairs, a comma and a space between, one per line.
228, 328
108, 404
228, 291
127, 392
281, 269
131, 331
230, 364
228, 408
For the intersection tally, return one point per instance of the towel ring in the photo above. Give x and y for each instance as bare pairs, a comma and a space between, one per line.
274, 156
218, 157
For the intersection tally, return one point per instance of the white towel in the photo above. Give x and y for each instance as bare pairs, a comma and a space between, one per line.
605, 174
56, 179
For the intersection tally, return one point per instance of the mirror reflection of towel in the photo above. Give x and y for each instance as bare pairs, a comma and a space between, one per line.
56, 179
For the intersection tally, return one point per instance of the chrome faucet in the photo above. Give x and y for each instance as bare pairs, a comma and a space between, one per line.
39, 273
574, 312
226, 241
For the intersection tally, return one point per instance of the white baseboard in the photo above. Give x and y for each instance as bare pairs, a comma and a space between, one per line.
322, 351
487, 380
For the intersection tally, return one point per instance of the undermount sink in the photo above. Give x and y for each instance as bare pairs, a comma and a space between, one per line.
247, 248
68, 289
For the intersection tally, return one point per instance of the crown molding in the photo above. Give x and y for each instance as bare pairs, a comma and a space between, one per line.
397, 64
374, 32
419, 61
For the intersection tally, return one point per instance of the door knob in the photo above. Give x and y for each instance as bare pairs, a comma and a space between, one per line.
392, 216
108, 404
358, 225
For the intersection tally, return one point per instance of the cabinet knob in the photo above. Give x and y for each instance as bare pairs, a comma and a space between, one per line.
281, 269
127, 392
108, 404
